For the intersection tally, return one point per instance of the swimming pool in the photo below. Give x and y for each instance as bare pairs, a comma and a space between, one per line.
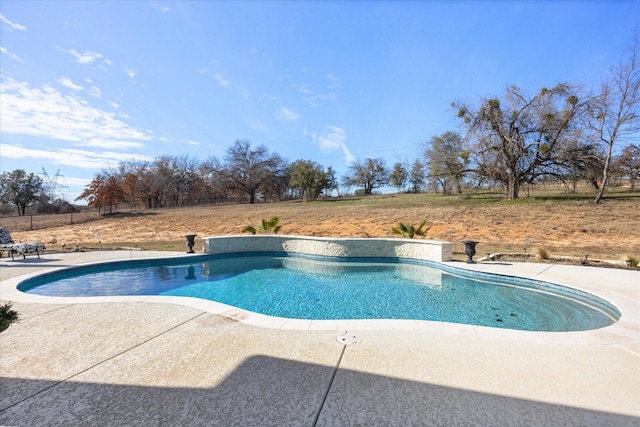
316, 287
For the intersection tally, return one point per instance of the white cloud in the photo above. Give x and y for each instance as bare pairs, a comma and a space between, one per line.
191, 142
160, 7
316, 100
11, 55
333, 139
130, 72
46, 112
85, 58
70, 157
267, 97
217, 76
286, 115
114, 104
70, 180
94, 91
303, 89
112, 143
66, 82
12, 25
221, 81
334, 81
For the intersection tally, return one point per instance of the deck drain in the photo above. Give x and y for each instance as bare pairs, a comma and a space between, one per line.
349, 339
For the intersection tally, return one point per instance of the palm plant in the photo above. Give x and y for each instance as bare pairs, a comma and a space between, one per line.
7, 316
265, 227
411, 231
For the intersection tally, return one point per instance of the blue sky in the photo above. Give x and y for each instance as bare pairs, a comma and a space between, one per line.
85, 85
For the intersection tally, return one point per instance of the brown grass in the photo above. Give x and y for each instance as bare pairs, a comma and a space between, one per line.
572, 227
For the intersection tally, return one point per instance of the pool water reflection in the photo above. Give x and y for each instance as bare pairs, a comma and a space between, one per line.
304, 287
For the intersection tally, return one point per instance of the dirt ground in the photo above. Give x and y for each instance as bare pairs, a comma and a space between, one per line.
567, 228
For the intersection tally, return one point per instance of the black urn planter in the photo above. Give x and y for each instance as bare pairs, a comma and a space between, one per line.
470, 250
191, 240
191, 272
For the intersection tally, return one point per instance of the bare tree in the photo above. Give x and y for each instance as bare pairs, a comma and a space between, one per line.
369, 174
518, 137
629, 163
276, 185
188, 183
613, 114
580, 160
249, 169
150, 184
128, 173
212, 173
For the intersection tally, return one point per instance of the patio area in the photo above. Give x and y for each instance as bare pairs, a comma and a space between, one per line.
155, 361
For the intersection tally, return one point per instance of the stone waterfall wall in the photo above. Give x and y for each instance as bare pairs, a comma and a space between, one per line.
430, 250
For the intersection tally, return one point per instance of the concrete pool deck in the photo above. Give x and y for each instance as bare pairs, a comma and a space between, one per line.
155, 361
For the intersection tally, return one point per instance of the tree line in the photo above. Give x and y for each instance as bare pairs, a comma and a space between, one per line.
249, 174
562, 133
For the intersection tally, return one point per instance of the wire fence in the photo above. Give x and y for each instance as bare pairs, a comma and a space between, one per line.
33, 221
41, 221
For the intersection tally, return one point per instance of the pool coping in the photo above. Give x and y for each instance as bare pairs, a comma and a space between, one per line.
619, 287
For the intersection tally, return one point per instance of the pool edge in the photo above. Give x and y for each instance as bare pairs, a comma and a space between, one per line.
625, 298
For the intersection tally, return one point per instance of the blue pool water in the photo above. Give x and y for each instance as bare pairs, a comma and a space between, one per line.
316, 288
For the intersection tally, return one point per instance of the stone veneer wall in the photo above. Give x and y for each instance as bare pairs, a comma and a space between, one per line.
431, 250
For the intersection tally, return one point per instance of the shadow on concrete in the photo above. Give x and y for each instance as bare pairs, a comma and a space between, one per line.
268, 391
20, 262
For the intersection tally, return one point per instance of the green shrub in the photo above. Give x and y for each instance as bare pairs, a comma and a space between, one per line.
410, 231
633, 261
7, 316
265, 227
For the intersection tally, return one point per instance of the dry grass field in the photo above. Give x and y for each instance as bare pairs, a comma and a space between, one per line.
563, 225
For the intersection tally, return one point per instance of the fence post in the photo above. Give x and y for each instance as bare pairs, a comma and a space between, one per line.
31, 225
71, 218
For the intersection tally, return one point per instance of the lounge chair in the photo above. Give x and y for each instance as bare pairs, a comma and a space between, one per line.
8, 245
